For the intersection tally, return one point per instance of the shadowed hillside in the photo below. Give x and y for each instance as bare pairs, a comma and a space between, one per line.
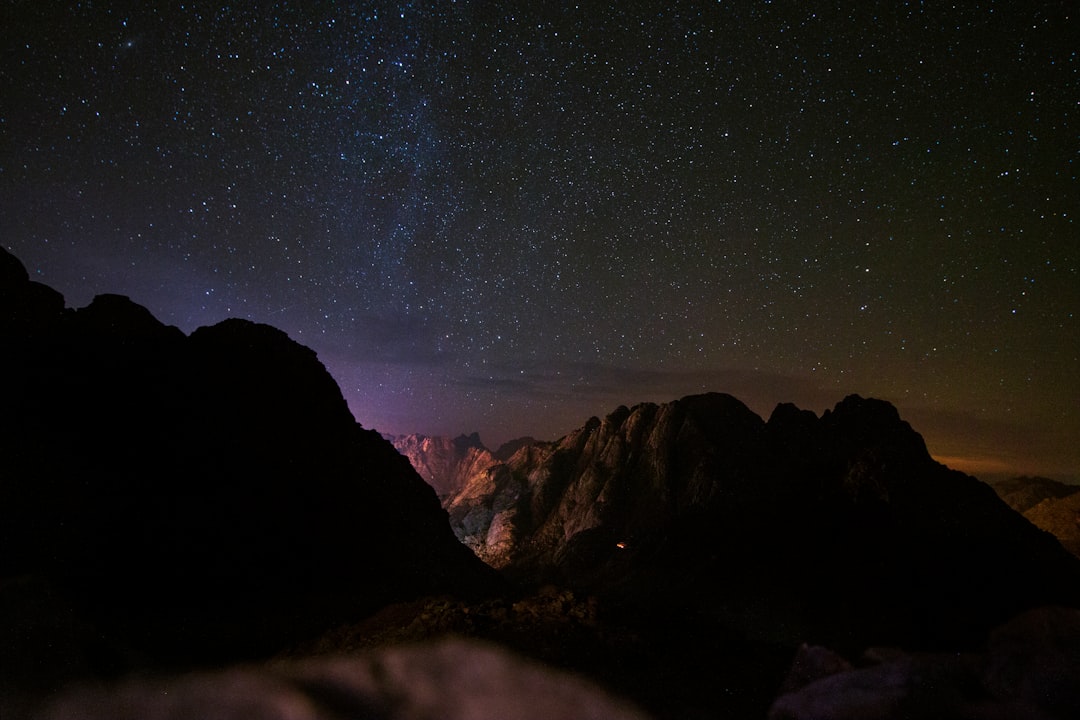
690, 500
710, 543
175, 500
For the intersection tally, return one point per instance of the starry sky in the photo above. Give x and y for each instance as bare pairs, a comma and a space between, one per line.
507, 217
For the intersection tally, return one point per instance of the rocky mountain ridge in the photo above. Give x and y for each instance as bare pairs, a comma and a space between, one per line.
170, 500
682, 494
1050, 505
190, 499
1025, 492
446, 464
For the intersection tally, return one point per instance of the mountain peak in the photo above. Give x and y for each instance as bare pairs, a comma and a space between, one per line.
197, 496
846, 503
118, 316
874, 424
463, 442
12, 271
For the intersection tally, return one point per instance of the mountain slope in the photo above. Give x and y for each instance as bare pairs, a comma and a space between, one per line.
840, 526
195, 498
1023, 493
1061, 518
445, 464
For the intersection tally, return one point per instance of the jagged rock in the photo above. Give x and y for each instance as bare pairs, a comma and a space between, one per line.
1048, 504
450, 680
1023, 493
1061, 518
509, 448
1030, 668
446, 464
688, 501
26, 307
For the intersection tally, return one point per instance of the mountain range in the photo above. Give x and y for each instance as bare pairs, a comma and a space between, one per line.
171, 502
701, 497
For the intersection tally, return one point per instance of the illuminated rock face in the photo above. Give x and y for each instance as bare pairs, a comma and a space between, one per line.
1024, 493
446, 464
1061, 518
1049, 505
844, 520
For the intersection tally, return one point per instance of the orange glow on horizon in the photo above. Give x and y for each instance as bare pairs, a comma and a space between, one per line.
974, 465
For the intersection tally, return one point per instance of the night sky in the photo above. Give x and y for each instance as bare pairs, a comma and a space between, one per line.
507, 217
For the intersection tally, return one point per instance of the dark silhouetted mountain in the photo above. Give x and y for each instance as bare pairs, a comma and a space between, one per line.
840, 528
509, 448
27, 308
196, 498
174, 500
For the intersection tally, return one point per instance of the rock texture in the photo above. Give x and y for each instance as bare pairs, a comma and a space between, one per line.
191, 499
446, 464
1061, 518
509, 448
1030, 668
839, 526
450, 680
1023, 493
1049, 505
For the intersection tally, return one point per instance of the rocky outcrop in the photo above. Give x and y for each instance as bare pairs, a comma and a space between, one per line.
1025, 492
446, 464
1061, 518
27, 308
195, 498
449, 680
684, 503
1048, 504
1030, 668
509, 448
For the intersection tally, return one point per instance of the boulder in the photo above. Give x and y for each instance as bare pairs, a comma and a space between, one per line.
447, 680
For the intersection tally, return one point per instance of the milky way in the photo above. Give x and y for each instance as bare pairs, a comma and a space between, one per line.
506, 219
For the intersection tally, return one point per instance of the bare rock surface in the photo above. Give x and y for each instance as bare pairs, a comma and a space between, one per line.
447, 464
840, 525
1060, 517
1030, 668
448, 680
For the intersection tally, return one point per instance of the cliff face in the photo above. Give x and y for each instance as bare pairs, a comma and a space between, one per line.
1050, 505
1023, 493
698, 499
446, 464
197, 498
1061, 518
635, 470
